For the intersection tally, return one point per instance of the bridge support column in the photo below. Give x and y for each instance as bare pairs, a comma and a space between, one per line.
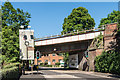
82, 61
91, 58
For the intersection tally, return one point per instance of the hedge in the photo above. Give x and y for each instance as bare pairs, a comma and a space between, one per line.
108, 62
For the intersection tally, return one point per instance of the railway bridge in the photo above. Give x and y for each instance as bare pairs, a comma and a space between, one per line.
78, 45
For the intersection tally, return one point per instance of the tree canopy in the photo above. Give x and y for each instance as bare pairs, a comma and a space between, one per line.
109, 61
12, 19
78, 20
111, 18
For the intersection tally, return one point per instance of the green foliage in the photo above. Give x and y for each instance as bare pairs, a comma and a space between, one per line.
118, 34
49, 65
78, 20
119, 22
12, 19
8, 65
98, 41
108, 62
46, 63
57, 63
111, 18
66, 58
41, 63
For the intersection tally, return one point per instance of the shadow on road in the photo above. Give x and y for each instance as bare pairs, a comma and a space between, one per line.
114, 76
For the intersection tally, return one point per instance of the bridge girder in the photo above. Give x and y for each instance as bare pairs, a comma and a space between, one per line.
65, 47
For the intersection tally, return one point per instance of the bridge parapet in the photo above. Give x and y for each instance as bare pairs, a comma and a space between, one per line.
65, 39
70, 34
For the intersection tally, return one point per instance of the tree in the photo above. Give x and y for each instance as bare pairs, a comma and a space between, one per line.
78, 20
109, 61
111, 18
118, 33
12, 19
66, 59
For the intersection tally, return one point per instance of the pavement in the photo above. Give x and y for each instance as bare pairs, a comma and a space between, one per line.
32, 75
66, 74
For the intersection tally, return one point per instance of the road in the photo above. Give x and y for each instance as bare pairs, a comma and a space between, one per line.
73, 75
61, 74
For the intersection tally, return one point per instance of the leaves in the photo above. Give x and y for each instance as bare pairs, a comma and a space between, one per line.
108, 62
111, 18
12, 19
78, 20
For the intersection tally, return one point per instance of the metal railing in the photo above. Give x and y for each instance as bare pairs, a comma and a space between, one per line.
69, 34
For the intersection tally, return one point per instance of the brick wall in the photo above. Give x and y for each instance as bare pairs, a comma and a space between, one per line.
109, 43
99, 52
109, 36
50, 57
91, 58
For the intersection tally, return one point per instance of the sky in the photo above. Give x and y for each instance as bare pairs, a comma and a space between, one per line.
62, 0
47, 17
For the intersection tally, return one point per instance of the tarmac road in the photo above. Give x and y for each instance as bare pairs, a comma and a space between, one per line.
66, 74
61, 74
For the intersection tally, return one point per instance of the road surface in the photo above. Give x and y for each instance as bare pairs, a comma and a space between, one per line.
61, 74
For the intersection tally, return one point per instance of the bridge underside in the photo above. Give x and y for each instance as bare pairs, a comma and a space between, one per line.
73, 48
65, 47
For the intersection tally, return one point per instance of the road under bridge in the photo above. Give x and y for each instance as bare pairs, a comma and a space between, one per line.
77, 44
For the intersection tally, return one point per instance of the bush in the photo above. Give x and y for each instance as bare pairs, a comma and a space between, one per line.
12, 74
57, 63
41, 63
108, 62
50, 65
46, 63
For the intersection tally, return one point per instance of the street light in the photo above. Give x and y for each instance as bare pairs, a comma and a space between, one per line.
55, 49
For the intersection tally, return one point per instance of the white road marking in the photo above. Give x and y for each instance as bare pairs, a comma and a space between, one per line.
60, 76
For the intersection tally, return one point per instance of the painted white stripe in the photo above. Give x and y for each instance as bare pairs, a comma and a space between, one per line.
60, 76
